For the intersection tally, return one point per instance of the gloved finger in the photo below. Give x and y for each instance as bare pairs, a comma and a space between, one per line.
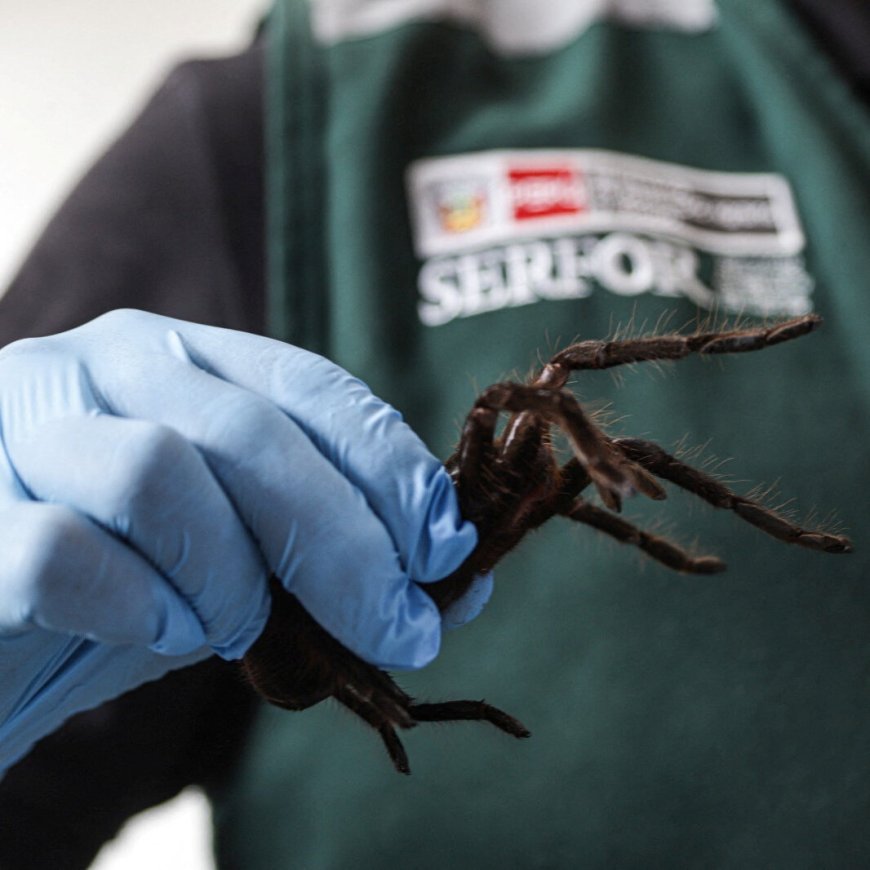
365, 438
144, 483
471, 605
63, 573
316, 530
362, 436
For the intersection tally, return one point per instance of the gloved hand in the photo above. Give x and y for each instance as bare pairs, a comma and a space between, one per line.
155, 472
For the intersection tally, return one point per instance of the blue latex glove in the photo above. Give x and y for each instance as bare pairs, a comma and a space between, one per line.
155, 472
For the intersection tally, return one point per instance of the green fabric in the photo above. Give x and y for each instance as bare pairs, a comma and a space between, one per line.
294, 219
677, 722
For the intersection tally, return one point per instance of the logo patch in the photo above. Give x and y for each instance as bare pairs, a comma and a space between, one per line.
462, 206
545, 192
499, 229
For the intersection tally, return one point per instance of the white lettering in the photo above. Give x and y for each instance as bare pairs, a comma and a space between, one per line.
621, 263
482, 283
529, 270
572, 270
442, 300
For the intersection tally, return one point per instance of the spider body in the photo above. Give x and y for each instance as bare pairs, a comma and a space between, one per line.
509, 484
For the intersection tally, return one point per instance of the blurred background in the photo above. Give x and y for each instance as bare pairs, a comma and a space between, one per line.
73, 73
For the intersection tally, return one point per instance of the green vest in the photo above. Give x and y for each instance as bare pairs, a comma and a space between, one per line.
456, 196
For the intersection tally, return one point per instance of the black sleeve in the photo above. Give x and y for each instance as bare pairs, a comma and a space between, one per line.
169, 220
78, 786
842, 29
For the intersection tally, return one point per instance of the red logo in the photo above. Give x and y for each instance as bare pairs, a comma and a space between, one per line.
546, 192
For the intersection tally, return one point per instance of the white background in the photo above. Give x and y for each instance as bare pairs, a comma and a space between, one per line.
72, 73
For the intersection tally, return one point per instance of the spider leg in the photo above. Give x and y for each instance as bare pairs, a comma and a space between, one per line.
381, 694
659, 548
612, 473
670, 468
573, 479
606, 354
449, 711
475, 711
475, 450
369, 712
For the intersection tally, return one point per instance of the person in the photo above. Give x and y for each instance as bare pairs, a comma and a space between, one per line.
455, 189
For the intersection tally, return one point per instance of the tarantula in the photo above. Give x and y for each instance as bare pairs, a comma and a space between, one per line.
509, 484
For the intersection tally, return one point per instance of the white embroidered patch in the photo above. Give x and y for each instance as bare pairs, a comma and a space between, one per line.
498, 229
494, 196
511, 27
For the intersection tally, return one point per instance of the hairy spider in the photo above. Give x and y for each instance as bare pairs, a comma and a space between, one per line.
508, 485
